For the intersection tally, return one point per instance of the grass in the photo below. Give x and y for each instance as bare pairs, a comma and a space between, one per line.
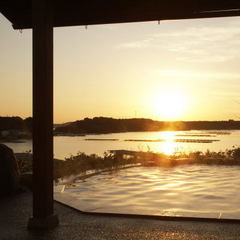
82, 163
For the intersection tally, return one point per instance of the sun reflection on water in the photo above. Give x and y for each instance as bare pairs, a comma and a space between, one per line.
169, 146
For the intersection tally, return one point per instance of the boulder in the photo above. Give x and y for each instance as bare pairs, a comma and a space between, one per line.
9, 172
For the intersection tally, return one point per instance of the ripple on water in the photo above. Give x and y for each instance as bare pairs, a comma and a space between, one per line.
197, 191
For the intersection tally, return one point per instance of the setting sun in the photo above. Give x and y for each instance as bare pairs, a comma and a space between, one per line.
170, 104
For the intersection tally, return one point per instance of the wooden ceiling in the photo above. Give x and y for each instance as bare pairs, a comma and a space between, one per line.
88, 12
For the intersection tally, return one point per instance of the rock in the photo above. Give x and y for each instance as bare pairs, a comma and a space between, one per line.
9, 172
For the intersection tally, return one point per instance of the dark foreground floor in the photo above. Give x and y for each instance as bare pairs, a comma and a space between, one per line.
14, 214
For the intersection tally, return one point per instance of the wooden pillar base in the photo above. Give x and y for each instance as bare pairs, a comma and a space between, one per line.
49, 222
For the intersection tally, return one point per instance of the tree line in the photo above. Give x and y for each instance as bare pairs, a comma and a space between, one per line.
16, 123
112, 125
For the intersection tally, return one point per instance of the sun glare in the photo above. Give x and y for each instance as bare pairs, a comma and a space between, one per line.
169, 146
170, 105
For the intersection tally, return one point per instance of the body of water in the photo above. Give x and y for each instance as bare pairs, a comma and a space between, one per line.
193, 191
167, 142
197, 191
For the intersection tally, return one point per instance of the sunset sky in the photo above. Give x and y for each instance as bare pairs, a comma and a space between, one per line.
175, 70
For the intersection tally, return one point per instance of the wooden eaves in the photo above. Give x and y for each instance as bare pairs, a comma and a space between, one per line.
85, 12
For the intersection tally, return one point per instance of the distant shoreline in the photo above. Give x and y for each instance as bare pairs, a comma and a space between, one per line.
15, 128
102, 125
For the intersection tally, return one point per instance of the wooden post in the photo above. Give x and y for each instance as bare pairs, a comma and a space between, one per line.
43, 216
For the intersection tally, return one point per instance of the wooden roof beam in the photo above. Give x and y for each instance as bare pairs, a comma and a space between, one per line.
85, 12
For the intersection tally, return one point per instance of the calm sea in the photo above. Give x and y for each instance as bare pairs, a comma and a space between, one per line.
64, 146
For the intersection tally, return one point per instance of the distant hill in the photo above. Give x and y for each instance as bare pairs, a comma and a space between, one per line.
15, 127
55, 125
16, 123
111, 125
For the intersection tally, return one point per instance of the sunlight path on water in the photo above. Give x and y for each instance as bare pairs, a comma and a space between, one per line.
170, 142
169, 146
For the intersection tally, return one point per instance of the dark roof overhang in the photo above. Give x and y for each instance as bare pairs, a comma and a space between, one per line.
88, 12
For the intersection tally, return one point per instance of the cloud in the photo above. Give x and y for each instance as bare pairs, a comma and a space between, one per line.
201, 43
204, 44
145, 43
193, 75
